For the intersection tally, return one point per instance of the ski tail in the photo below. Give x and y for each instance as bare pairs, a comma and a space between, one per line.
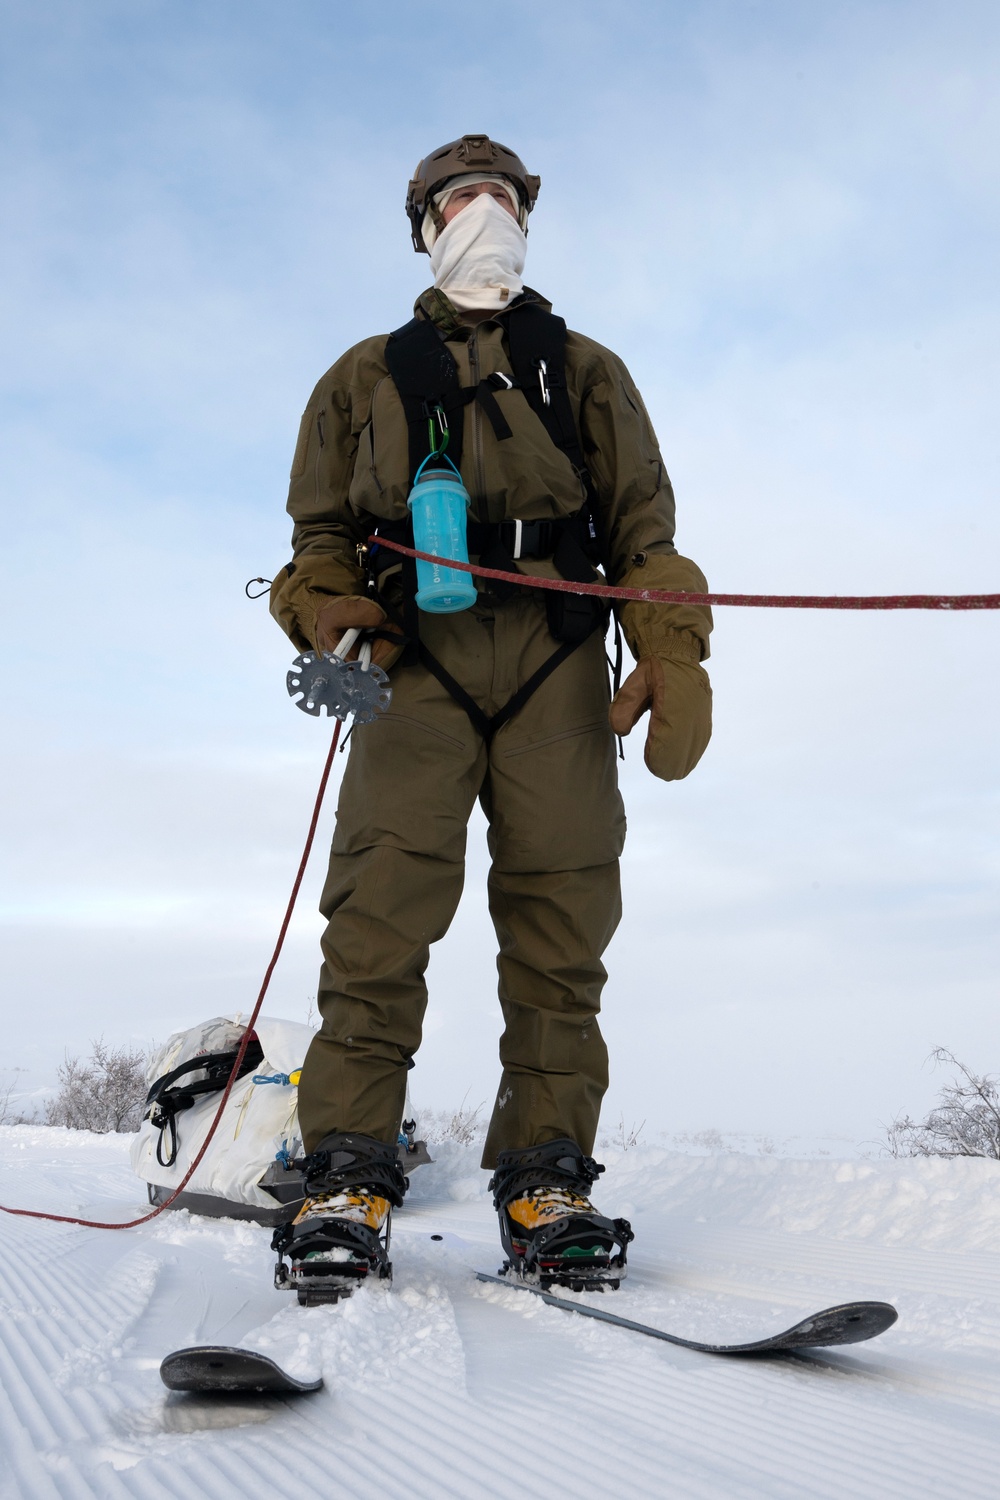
211, 1368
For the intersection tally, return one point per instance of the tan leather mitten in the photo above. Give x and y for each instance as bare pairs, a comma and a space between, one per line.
678, 695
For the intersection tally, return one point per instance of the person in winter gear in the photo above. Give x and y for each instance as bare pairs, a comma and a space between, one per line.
506, 702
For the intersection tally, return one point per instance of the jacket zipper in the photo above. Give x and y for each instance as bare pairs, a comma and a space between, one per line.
321, 434
478, 465
371, 438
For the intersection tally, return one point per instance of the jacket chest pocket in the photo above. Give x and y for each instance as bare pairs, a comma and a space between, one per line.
381, 469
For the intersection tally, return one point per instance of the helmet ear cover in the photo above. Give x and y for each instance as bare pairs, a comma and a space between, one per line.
472, 154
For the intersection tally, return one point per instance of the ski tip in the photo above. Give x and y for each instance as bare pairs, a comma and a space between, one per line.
847, 1323
211, 1368
850, 1323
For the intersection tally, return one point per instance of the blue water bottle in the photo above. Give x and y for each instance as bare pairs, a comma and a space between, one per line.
438, 503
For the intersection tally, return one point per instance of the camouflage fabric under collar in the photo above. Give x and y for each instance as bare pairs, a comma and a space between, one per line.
439, 308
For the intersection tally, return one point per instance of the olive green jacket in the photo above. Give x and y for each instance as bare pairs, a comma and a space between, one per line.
351, 470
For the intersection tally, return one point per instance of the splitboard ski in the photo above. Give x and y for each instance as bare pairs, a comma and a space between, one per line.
849, 1323
215, 1367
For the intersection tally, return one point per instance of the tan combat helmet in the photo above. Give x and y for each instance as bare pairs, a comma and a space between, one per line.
472, 154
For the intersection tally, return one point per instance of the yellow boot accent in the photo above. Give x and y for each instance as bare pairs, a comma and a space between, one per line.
356, 1206
541, 1205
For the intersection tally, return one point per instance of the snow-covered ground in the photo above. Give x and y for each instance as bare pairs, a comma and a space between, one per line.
441, 1386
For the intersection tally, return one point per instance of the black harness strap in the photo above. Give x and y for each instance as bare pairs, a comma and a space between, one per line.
537, 343
426, 376
424, 372
483, 393
488, 724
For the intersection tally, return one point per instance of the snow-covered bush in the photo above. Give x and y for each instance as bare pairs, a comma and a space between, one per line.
965, 1122
105, 1092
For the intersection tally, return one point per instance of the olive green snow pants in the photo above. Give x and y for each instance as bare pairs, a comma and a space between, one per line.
548, 786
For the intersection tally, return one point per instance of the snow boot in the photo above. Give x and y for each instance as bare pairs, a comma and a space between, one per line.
341, 1233
549, 1228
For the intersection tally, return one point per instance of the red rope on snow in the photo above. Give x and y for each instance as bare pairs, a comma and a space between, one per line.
34, 1213
678, 596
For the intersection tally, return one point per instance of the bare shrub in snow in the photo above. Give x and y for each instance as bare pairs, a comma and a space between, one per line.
8, 1114
462, 1125
105, 1092
965, 1121
704, 1140
624, 1137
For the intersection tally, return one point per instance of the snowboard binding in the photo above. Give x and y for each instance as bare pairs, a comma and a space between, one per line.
341, 1235
549, 1229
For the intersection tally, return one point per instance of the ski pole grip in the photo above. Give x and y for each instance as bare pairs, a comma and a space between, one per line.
346, 642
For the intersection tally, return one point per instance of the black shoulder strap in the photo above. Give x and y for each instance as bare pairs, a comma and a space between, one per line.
537, 343
426, 375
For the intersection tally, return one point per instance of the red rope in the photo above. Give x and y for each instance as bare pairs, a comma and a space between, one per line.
678, 596
33, 1213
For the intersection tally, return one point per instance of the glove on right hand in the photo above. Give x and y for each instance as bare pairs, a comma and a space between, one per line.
350, 612
679, 695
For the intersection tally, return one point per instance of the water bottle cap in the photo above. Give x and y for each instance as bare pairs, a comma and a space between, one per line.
438, 476
437, 473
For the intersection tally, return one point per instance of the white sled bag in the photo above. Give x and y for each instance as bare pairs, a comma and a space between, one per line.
259, 1125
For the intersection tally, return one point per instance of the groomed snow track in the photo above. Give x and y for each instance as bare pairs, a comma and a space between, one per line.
441, 1386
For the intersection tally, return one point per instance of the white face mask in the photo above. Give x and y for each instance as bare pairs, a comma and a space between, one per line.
478, 258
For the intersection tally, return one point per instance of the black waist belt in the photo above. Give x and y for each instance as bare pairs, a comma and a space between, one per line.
518, 538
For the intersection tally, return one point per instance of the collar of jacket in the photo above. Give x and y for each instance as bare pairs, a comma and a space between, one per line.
441, 311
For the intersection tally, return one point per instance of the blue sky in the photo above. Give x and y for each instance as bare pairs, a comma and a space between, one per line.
784, 218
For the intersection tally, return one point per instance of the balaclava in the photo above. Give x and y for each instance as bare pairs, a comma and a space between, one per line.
478, 258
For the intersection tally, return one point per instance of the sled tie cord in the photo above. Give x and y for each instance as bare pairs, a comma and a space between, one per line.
34, 1213
562, 585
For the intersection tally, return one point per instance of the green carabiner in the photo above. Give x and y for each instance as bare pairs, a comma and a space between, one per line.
442, 422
